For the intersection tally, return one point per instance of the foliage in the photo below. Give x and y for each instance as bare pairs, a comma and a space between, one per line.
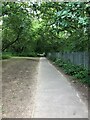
77, 72
32, 28
69, 19
6, 55
16, 27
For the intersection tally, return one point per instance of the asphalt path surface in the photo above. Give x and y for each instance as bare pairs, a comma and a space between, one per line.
33, 88
56, 98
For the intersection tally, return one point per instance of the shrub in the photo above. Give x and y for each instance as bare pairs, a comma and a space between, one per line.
76, 71
6, 55
81, 74
52, 59
31, 54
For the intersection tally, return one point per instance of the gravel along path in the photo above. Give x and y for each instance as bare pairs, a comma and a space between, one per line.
19, 84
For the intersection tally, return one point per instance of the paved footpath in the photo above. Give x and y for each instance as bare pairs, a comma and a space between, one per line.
55, 97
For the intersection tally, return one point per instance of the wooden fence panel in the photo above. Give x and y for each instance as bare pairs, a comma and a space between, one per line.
77, 58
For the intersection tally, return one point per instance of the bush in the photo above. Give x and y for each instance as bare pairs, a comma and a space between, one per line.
32, 54
81, 74
59, 62
6, 55
53, 59
76, 71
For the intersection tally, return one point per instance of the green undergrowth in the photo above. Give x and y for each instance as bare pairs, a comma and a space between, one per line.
78, 72
30, 54
6, 55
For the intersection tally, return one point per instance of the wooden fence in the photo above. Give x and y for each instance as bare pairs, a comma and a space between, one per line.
77, 58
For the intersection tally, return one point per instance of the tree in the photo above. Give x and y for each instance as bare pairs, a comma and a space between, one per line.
16, 25
44, 27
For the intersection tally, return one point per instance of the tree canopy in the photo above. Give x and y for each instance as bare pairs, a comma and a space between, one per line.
31, 28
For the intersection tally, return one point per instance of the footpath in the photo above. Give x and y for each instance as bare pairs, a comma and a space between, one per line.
55, 97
